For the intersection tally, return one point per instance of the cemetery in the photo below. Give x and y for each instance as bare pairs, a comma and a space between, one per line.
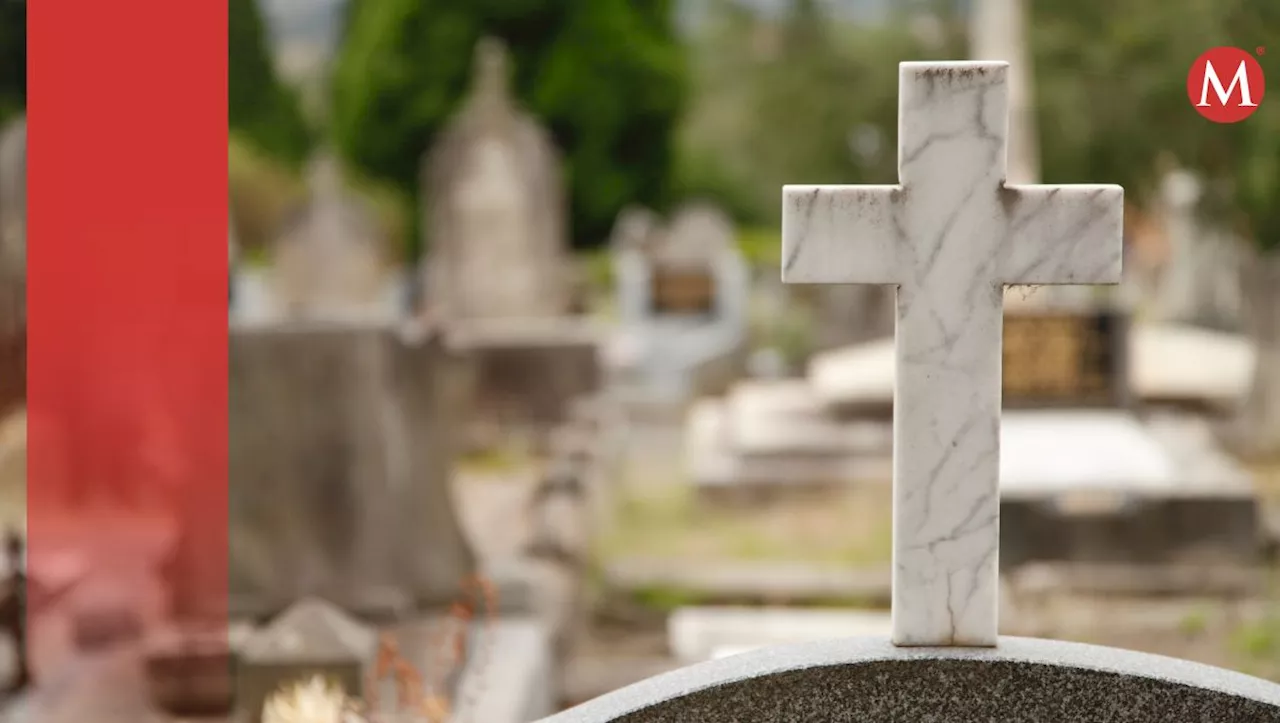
942, 447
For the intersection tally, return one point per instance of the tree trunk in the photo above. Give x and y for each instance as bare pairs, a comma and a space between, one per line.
1257, 432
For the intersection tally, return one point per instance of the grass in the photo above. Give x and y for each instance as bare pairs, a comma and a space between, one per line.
665, 522
1194, 623
262, 192
761, 246
1256, 647
496, 459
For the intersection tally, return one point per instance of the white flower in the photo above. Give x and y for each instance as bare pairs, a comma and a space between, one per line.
313, 701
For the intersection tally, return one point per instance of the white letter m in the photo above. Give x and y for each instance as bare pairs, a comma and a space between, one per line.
1224, 94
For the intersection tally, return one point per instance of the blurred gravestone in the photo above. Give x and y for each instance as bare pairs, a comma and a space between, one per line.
331, 260
683, 293
497, 268
311, 639
13, 264
341, 451
1200, 280
495, 206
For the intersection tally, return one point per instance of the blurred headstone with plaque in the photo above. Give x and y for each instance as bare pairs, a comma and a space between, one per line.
683, 291
1059, 359
683, 296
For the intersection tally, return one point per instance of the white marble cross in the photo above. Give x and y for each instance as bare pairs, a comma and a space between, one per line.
950, 237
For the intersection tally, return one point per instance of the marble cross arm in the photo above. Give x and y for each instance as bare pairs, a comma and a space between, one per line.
842, 235
1062, 234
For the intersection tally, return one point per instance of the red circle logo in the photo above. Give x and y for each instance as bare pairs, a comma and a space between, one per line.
1226, 85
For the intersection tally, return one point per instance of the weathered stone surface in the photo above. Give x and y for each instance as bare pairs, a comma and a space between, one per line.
313, 638
869, 680
1134, 529
13, 265
495, 208
526, 375
342, 443
331, 261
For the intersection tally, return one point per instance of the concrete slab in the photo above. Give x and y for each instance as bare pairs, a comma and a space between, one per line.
1167, 363
703, 633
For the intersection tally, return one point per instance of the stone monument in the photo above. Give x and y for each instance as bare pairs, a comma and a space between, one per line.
682, 293
951, 235
13, 264
312, 639
495, 208
1200, 282
331, 260
341, 452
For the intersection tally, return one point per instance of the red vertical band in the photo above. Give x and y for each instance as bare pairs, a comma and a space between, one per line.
127, 301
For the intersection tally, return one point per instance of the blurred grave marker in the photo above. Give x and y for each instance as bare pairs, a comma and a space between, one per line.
495, 207
683, 290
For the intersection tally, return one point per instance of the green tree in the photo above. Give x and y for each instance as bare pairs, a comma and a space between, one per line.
1112, 97
805, 98
606, 76
260, 108
13, 58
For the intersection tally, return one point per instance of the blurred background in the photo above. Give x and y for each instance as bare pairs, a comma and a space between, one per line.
515, 384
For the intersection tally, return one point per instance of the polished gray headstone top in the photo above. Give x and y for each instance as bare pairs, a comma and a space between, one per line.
869, 680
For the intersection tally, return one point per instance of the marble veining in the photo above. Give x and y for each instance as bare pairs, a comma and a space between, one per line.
950, 236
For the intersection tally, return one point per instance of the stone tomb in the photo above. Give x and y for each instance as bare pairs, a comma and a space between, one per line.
943, 659
767, 439
1096, 487
789, 436
311, 639
498, 270
1067, 435
524, 375
1160, 365
682, 299
341, 450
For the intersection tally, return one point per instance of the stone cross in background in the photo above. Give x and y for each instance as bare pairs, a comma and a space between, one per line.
950, 236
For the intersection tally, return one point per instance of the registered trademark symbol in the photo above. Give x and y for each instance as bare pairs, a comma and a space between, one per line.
1260, 50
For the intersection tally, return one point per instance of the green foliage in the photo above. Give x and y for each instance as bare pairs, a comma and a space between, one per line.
762, 247
260, 108
13, 58
1112, 101
262, 191
606, 77
779, 102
